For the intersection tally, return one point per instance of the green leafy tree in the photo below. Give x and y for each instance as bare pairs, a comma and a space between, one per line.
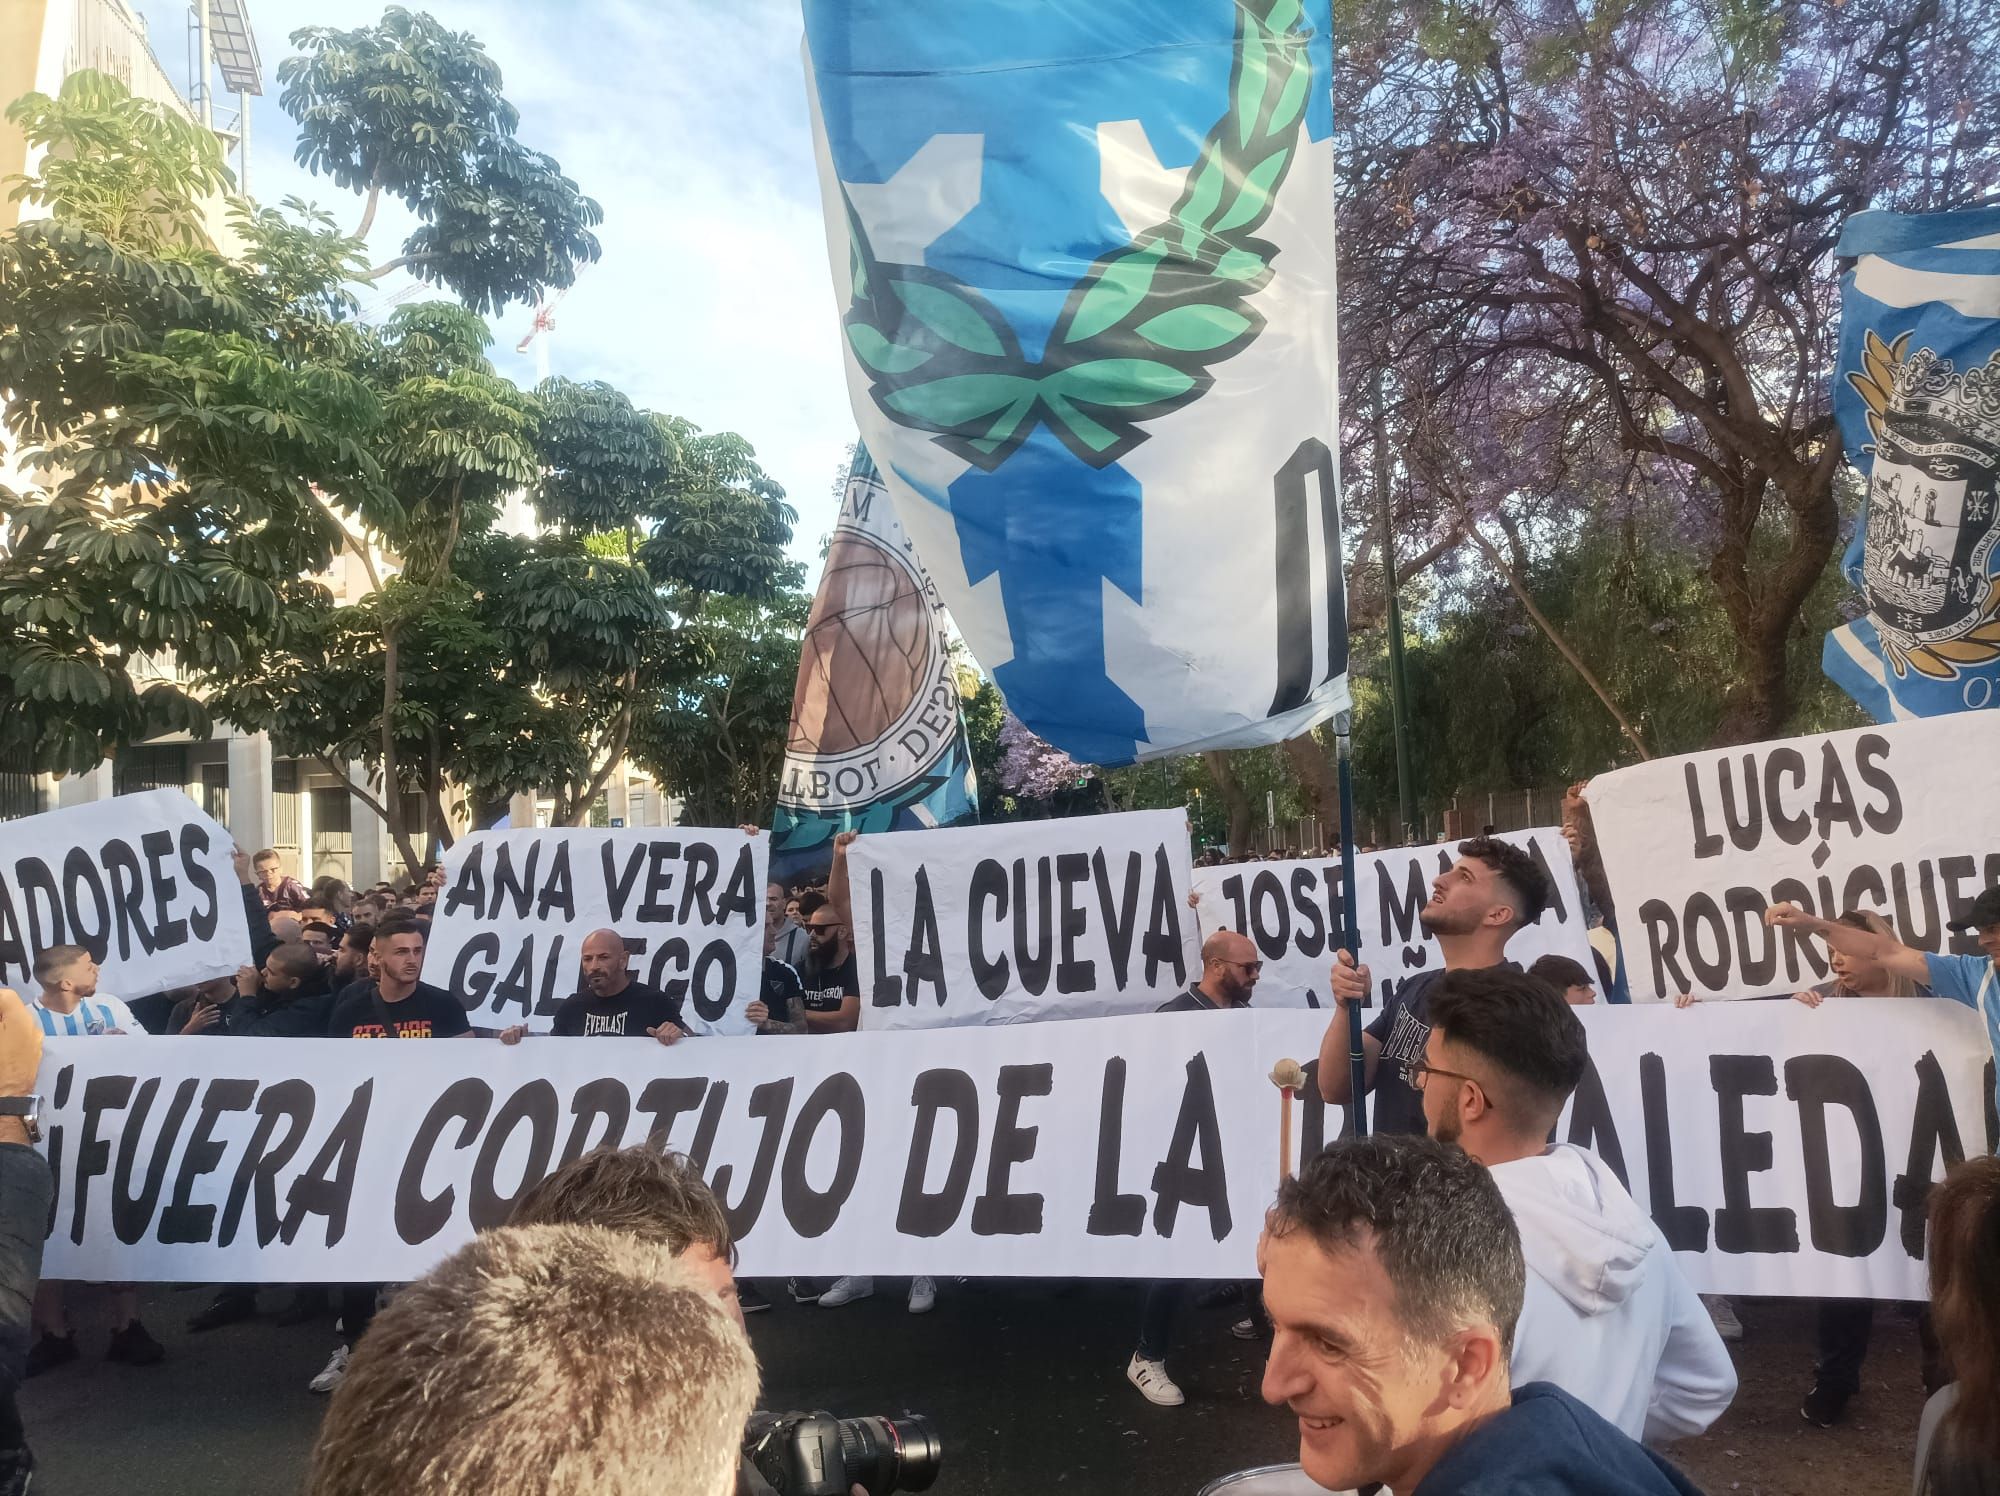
408, 108
718, 739
173, 412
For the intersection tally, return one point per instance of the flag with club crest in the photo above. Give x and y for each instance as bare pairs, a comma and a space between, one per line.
877, 743
1917, 393
1083, 258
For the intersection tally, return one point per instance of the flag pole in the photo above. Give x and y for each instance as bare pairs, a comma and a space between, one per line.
1350, 927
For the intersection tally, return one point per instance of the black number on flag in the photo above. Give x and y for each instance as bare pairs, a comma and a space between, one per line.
1295, 592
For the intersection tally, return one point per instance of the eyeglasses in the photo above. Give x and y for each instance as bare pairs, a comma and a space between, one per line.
1417, 1072
832, 926
1253, 967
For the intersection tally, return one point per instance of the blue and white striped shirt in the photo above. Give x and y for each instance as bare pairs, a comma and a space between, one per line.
94, 1015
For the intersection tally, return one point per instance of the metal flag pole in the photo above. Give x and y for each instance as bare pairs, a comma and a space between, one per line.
1350, 927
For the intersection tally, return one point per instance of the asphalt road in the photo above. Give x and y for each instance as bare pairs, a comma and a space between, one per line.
1024, 1380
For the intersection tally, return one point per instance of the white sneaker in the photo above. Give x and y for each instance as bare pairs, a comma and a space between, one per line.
1151, 1378
1723, 1313
923, 1295
846, 1291
334, 1374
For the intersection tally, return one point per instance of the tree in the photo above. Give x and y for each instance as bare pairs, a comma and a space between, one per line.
1595, 246
172, 411
408, 108
717, 740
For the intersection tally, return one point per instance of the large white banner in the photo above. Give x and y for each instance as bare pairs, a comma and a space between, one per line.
1083, 263
1070, 918
1902, 820
516, 906
1293, 911
144, 882
1782, 1150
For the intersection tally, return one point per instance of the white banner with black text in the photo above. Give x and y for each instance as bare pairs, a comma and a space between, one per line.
1072, 918
1903, 820
1782, 1150
143, 882
1292, 911
516, 907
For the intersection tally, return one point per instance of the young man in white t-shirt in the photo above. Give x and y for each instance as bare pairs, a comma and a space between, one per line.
69, 1006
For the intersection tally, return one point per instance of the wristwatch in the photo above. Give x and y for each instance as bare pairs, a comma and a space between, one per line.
28, 1109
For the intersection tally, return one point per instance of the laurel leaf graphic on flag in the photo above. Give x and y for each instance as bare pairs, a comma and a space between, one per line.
1875, 380
1143, 329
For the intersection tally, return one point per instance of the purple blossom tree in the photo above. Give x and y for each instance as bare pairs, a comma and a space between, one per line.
1031, 769
1590, 245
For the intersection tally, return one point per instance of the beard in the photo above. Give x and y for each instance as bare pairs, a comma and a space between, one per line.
1447, 1128
1441, 922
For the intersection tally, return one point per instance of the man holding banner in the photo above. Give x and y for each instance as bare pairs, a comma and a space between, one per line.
1477, 905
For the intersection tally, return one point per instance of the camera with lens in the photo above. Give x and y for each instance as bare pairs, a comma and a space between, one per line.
816, 1454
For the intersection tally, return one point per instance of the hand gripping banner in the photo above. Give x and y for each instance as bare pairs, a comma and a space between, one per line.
1917, 392
1084, 262
877, 743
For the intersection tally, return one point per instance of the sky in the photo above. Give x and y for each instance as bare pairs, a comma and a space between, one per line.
687, 121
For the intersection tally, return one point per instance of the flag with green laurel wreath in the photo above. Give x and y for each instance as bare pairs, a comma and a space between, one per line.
1084, 257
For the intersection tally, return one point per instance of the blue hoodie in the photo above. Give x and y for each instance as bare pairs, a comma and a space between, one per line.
1549, 1444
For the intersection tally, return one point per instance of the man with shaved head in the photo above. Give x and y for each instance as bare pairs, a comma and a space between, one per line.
1230, 967
611, 1005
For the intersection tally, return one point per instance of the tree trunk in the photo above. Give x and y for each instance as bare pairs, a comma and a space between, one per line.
1759, 706
1242, 816
392, 784
1555, 637
614, 754
1319, 778
368, 210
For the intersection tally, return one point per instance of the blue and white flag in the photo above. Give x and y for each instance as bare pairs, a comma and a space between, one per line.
877, 741
1084, 257
1917, 394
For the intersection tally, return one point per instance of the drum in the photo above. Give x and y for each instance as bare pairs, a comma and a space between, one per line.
1269, 1480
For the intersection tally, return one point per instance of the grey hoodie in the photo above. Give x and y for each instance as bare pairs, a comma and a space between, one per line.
1608, 1317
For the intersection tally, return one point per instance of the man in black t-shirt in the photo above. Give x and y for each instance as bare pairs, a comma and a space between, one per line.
611, 1005
1230, 967
1477, 905
395, 1005
830, 976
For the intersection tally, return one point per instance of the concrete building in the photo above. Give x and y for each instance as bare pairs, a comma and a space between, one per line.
301, 808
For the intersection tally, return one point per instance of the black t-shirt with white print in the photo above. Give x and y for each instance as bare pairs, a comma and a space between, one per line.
626, 1014
826, 984
1403, 1028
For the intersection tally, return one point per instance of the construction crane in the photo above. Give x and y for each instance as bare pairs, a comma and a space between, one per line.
540, 330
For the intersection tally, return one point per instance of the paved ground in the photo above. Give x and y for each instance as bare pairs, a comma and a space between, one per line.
1024, 1380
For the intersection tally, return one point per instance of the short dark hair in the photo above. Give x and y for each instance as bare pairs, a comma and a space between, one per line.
359, 936
51, 961
1518, 1022
1434, 1219
269, 854
398, 923
295, 961
642, 1190
1561, 973
810, 903
1522, 875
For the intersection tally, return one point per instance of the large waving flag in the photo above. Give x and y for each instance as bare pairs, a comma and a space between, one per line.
1918, 397
877, 743
1084, 261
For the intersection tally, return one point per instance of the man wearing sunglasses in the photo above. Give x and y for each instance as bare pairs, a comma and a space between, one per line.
1607, 1316
1229, 971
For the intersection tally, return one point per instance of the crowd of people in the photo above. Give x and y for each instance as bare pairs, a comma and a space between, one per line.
1452, 1295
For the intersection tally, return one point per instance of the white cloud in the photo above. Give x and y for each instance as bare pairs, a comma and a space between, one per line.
688, 122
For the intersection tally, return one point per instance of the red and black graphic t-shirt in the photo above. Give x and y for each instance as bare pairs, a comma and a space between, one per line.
427, 1013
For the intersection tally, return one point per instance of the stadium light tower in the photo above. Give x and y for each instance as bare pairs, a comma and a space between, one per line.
220, 39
